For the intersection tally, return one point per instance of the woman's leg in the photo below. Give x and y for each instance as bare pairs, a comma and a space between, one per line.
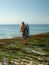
23, 38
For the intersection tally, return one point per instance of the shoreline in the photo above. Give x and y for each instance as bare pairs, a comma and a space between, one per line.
21, 36
37, 38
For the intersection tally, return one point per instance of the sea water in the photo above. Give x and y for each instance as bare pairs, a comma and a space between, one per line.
10, 31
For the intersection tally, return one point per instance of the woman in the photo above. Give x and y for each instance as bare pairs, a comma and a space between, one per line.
23, 28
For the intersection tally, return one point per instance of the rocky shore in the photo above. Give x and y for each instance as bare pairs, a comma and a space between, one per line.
35, 52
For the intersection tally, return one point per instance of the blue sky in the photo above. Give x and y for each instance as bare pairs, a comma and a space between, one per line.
29, 11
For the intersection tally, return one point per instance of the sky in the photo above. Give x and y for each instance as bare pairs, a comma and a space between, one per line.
29, 11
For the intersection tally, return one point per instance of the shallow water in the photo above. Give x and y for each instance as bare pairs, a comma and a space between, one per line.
10, 31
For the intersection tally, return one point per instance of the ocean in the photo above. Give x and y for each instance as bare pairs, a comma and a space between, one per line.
11, 31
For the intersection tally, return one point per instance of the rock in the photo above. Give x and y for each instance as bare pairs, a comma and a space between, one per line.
5, 61
48, 64
30, 63
16, 63
0, 63
1, 43
40, 64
